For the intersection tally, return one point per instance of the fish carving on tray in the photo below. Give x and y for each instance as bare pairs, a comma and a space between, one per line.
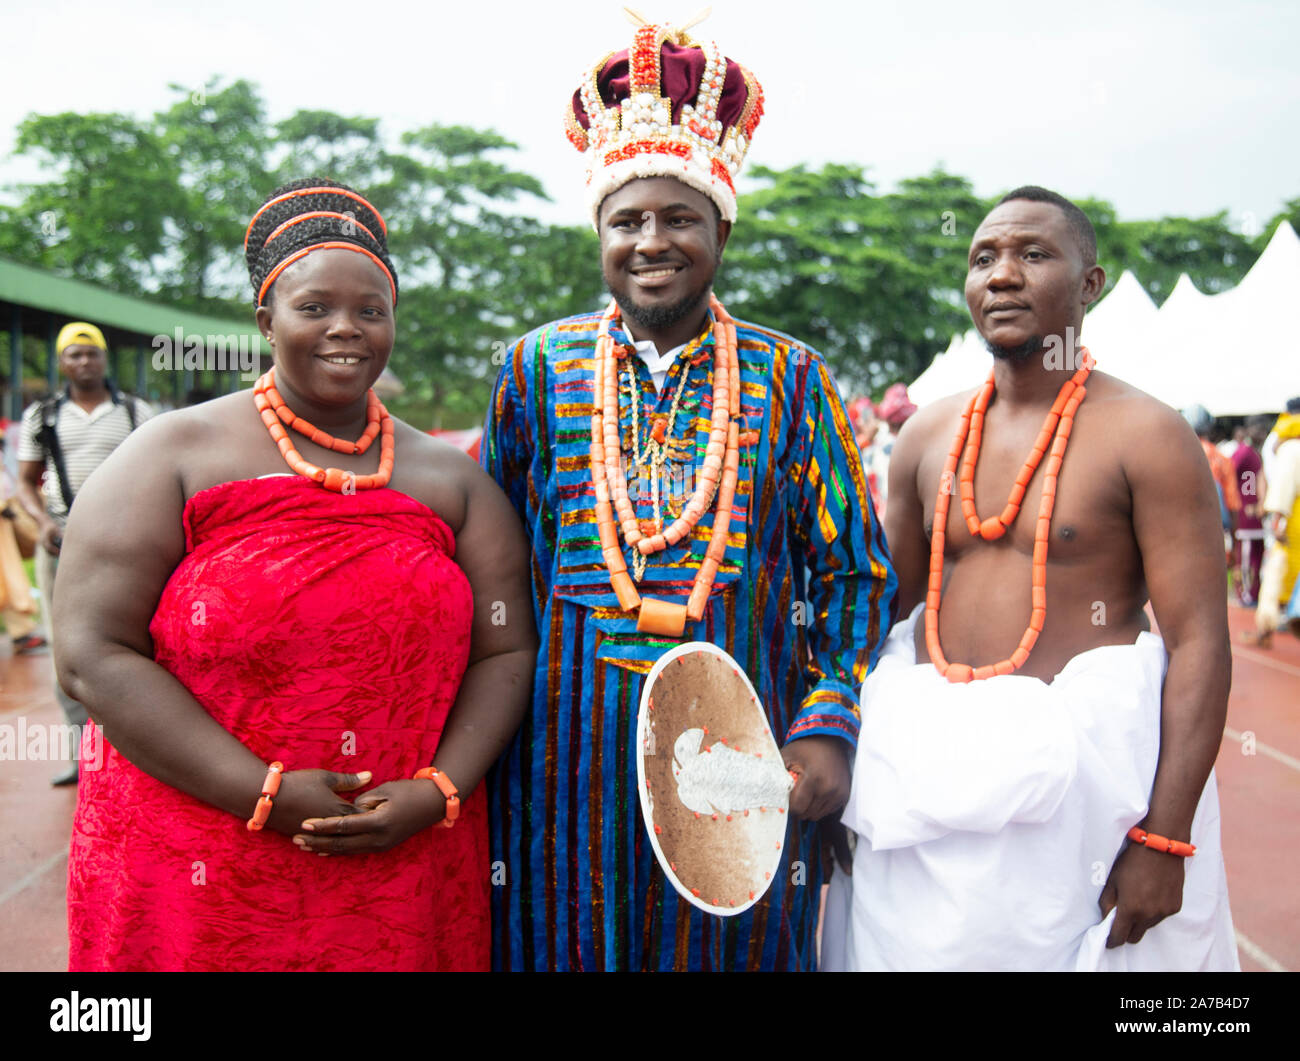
714, 789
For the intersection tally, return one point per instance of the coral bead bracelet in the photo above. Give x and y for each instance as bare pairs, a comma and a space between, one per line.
270, 787
432, 773
1161, 843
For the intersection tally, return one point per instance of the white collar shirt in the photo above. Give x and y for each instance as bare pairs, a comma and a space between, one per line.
658, 364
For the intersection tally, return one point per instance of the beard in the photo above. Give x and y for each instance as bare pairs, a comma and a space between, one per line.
653, 318
1017, 354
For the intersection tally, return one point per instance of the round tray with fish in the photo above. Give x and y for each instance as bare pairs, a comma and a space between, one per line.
714, 789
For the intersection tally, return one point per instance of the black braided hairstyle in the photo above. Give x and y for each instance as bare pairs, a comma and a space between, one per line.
359, 225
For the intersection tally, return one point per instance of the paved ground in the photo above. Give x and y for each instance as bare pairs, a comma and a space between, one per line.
1259, 788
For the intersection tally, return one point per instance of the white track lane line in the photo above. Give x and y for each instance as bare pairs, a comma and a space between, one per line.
32, 876
1266, 749
1264, 958
1268, 661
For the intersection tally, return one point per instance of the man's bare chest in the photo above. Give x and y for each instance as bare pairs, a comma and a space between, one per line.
1088, 503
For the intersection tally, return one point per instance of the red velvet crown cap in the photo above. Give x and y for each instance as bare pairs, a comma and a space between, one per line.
666, 107
681, 70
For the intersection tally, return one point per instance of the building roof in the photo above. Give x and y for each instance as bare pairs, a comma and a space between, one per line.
39, 289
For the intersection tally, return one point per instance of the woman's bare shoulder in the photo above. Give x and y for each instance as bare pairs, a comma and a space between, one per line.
437, 474
195, 424
202, 444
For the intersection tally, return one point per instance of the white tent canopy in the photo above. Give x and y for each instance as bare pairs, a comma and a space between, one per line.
963, 365
1236, 353
1107, 329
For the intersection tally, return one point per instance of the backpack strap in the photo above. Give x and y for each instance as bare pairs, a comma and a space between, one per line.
125, 400
48, 437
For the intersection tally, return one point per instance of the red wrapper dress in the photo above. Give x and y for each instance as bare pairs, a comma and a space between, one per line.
326, 631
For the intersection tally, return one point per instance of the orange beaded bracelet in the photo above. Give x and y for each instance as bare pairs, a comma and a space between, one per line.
1161, 843
269, 789
432, 773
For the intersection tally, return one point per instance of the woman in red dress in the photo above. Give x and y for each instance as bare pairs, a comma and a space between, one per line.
239, 587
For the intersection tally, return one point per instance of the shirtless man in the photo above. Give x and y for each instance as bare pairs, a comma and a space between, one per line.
1133, 521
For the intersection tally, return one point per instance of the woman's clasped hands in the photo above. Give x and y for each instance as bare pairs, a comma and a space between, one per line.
310, 809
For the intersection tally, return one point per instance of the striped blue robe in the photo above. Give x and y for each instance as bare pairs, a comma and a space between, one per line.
803, 602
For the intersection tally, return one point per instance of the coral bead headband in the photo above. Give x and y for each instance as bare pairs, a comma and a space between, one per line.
322, 190
345, 218
354, 226
333, 244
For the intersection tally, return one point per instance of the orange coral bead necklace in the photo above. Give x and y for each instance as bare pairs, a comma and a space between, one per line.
275, 414
719, 474
965, 447
995, 526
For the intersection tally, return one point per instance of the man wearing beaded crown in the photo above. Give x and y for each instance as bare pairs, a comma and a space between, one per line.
1042, 798
742, 519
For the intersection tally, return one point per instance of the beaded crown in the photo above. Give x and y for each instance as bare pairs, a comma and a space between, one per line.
666, 107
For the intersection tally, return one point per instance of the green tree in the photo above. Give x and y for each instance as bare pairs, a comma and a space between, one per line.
477, 273
1290, 212
218, 140
103, 214
1118, 244
1206, 248
873, 281
320, 143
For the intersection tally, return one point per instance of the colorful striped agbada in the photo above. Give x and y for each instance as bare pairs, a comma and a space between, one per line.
803, 602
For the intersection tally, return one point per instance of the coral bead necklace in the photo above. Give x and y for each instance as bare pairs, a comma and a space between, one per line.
966, 447
654, 456
718, 477
272, 409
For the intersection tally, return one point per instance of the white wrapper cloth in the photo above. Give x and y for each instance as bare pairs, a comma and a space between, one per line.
989, 815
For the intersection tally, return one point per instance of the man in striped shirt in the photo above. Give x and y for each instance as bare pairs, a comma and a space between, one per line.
801, 599
77, 429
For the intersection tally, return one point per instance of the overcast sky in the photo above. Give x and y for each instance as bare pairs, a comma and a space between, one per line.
1161, 108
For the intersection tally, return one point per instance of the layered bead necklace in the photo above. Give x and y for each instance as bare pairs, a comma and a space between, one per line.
272, 409
718, 476
655, 454
966, 447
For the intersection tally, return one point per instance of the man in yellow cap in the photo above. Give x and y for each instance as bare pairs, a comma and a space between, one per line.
65, 437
